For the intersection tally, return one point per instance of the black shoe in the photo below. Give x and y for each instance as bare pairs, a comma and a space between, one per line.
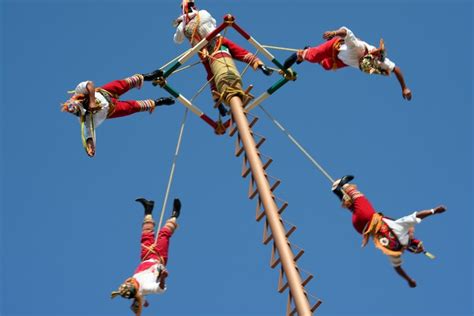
290, 61
164, 101
147, 205
222, 109
267, 71
153, 75
338, 189
176, 208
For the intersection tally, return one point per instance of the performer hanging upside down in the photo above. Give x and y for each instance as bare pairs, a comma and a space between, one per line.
392, 237
94, 105
343, 49
151, 273
217, 57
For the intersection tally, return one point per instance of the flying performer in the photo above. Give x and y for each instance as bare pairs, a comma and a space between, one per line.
217, 57
150, 275
342, 48
391, 236
94, 105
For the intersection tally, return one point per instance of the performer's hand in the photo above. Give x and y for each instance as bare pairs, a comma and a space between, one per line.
406, 94
94, 108
329, 35
163, 276
256, 64
412, 283
440, 209
204, 53
90, 147
136, 307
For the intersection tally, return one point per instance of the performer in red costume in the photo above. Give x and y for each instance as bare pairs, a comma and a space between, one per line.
343, 49
392, 237
94, 105
151, 273
217, 56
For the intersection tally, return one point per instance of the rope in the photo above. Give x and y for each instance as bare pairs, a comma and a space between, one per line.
170, 181
173, 166
248, 65
83, 137
174, 59
202, 89
294, 141
281, 48
185, 67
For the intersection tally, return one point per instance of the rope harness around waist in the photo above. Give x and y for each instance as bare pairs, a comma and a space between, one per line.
383, 237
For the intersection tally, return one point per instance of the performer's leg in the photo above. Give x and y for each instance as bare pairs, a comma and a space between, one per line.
124, 108
352, 191
358, 200
319, 53
164, 236
119, 87
147, 238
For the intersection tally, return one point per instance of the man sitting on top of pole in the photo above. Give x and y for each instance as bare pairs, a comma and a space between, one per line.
343, 49
392, 237
150, 275
218, 55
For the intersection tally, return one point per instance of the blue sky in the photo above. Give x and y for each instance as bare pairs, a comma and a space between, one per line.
70, 226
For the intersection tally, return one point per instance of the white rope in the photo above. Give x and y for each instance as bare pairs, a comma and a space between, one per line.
201, 89
185, 67
173, 166
281, 48
294, 141
248, 65
174, 59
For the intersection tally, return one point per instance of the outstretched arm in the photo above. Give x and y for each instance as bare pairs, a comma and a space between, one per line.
162, 280
137, 306
437, 210
245, 56
405, 91
330, 34
91, 93
404, 275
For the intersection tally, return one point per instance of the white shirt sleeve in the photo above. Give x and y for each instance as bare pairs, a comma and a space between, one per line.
387, 64
82, 88
409, 220
206, 17
351, 41
178, 37
151, 288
